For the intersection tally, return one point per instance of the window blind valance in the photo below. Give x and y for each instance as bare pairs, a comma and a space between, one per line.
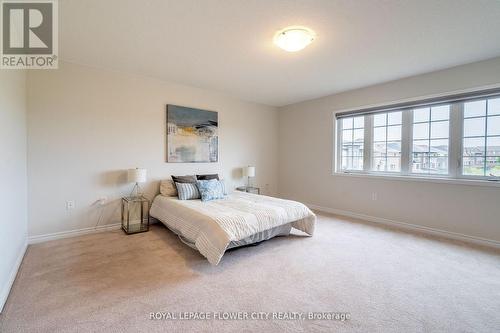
433, 101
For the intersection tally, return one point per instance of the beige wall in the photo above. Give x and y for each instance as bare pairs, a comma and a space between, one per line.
13, 220
306, 151
85, 126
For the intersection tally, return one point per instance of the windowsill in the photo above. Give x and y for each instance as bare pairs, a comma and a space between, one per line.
429, 179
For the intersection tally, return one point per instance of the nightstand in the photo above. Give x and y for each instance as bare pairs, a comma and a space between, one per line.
135, 214
249, 189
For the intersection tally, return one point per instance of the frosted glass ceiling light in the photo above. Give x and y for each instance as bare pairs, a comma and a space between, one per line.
293, 39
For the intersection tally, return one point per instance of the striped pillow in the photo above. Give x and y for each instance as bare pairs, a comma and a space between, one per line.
187, 191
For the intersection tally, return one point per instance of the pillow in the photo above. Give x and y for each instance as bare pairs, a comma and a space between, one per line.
207, 177
223, 184
187, 191
184, 179
210, 189
168, 188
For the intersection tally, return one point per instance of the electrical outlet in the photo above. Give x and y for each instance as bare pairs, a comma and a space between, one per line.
374, 196
70, 205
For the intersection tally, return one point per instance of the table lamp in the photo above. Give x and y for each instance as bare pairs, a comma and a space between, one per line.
136, 176
248, 172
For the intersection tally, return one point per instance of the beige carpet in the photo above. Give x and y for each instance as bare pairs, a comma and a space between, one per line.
388, 281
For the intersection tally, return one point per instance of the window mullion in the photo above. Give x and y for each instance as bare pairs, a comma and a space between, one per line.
486, 141
386, 137
367, 157
456, 141
406, 137
339, 145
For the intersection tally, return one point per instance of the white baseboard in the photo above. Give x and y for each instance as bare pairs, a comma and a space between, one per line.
5, 291
72, 233
411, 227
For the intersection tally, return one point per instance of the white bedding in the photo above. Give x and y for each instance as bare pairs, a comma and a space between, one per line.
213, 225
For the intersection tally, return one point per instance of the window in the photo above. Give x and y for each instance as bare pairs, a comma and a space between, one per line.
453, 136
431, 140
481, 138
386, 148
353, 134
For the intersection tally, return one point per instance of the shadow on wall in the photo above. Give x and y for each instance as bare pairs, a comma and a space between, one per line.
118, 179
151, 189
113, 178
109, 211
104, 213
237, 173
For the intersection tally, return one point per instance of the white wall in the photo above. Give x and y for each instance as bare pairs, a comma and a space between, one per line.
306, 150
85, 126
13, 200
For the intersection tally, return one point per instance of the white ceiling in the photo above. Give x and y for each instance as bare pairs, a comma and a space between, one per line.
226, 45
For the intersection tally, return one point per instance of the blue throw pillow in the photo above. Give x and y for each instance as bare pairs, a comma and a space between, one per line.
211, 189
187, 191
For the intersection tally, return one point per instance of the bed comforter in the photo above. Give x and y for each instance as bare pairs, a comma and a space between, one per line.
213, 225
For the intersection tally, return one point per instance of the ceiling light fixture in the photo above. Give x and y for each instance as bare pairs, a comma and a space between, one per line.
293, 39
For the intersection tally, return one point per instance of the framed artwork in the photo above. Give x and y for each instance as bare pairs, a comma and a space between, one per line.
192, 135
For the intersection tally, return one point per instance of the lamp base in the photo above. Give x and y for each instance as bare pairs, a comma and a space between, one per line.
137, 189
249, 184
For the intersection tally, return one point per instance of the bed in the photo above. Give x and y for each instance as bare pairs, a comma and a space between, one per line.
239, 219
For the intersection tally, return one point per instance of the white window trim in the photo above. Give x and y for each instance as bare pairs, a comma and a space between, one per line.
429, 179
455, 148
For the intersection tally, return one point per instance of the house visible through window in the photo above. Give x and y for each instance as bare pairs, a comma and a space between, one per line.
353, 133
450, 138
387, 142
431, 140
481, 138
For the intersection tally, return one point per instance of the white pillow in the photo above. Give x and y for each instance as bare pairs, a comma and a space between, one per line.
167, 188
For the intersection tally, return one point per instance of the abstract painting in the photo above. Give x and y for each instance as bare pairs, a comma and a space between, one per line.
192, 135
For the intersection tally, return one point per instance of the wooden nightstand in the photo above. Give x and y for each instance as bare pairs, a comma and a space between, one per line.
135, 214
249, 189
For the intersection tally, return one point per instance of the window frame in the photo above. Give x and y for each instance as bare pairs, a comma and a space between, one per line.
462, 133
372, 142
339, 148
451, 140
455, 145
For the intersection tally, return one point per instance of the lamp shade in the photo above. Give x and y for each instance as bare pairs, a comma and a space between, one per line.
249, 171
137, 175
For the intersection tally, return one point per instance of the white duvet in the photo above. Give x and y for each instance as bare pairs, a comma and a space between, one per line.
213, 225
